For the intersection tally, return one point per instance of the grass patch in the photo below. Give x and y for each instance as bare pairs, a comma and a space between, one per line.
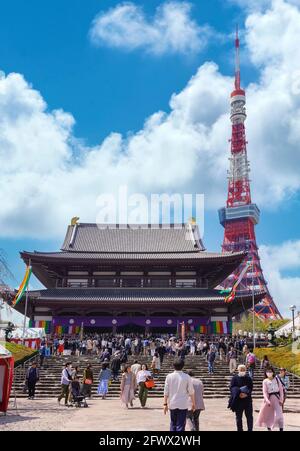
282, 357
20, 353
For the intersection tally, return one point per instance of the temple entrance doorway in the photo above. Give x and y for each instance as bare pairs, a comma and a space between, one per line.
131, 329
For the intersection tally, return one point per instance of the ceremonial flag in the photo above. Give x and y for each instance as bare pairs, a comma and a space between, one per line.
221, 327
41, 325
231, 295
22, 287
201, 329
183, 331
81, 331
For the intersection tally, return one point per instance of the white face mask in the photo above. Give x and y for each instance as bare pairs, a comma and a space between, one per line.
242, 373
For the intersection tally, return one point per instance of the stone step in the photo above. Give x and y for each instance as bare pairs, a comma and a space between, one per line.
215, 386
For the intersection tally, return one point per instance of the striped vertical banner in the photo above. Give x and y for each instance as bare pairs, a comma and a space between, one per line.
221, 327
74, 330
46, 325
201, 329
58, 330
67, 330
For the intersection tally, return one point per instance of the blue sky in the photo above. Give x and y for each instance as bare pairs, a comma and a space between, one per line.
108, 88
104, 89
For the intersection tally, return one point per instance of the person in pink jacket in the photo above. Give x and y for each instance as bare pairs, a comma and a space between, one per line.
271, 414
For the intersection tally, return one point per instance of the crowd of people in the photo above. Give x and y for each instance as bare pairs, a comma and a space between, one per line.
137, 344
183, 392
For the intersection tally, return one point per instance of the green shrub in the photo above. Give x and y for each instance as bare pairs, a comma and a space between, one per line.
281, 357
20, 353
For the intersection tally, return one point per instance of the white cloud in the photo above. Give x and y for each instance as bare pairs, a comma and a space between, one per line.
47, 176
260, 5
251, 4
276, 262
171, 30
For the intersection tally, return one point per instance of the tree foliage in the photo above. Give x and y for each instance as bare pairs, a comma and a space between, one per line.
261, 326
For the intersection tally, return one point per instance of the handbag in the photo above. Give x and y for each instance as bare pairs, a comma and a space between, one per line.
88, 381
150, 383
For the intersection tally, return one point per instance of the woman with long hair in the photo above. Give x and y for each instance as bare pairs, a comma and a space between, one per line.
128, 386
155, 364
270, 414
104, 380
88, 379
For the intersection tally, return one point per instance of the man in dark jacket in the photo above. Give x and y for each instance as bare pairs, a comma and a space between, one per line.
105, 356
32, 378
161, 350
241, 398
115, 366
211, 357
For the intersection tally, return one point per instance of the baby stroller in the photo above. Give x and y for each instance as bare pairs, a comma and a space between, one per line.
78, 398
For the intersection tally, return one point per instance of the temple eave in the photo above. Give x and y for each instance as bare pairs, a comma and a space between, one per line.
125, 300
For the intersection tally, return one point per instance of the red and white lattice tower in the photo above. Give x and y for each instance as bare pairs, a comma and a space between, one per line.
240, 215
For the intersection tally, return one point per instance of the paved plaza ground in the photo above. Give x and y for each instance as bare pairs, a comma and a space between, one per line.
108, 415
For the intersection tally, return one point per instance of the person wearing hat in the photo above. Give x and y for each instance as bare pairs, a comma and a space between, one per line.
241, 398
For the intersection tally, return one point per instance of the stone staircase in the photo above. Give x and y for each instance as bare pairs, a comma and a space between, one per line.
215, 386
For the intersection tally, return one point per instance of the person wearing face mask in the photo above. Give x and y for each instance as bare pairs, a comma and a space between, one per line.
270, 414
241, 398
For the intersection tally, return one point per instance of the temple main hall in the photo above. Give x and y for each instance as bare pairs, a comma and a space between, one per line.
141, 278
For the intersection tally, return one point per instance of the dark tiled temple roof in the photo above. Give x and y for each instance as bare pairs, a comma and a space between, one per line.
138, 295
87, 246
67, 255
89, 238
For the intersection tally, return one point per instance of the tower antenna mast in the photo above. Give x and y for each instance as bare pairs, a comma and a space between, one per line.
237, 60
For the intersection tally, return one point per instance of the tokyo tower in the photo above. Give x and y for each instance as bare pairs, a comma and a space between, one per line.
240, 215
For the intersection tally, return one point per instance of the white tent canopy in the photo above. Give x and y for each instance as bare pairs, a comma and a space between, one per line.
288, 327
4, 352
29, 333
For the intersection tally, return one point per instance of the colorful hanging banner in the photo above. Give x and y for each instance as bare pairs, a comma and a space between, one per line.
201, 329
74, 330
67, 330
22, 287
41, 325
221, 327
231, 295
81, 331
183, 331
